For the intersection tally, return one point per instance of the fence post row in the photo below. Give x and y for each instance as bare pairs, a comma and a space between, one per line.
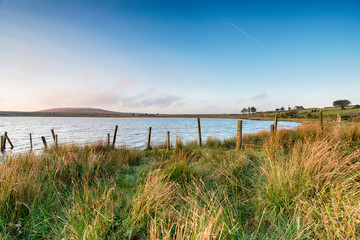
239, 142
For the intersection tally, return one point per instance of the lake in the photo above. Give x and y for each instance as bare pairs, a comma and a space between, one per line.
132, 132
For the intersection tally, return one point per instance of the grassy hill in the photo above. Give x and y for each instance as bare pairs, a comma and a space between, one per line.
69, 112
78, 110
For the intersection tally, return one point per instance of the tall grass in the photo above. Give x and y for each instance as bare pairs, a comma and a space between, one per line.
303, 184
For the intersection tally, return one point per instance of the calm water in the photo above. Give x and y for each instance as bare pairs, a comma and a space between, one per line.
132, 132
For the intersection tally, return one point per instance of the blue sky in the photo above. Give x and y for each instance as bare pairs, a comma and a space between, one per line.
178, 56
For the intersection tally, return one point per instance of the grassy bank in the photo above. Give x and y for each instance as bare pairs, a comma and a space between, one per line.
303, 184
349, 113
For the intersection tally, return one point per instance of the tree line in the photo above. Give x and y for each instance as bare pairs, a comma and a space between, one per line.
248, 110
338, 103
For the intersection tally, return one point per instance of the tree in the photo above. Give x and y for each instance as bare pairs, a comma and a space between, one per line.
244, 111
253, 109
341, 103
289, 108
249, 110
282, 109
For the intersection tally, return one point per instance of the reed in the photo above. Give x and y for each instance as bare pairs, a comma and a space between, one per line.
303, 184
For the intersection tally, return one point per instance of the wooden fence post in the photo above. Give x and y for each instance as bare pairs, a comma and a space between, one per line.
2, 143
149, 138
272, 132
199, 129
168, 141
44, 142
321, 121
275, 124
239, 134
8, 139
31, 145
114, 138
53, 135
108, 140
56, 141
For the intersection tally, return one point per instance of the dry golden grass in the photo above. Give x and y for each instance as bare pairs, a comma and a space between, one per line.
304, 184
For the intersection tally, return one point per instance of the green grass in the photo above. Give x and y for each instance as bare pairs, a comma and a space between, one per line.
303, 184
329, 113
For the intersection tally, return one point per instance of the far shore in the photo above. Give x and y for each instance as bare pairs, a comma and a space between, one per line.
301, 116
136, 115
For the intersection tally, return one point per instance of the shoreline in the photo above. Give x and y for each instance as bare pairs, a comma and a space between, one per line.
222, 116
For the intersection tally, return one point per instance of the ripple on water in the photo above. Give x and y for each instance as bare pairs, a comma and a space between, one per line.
132, 132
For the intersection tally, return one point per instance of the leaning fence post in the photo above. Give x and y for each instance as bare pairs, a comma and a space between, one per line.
44, 142
199, 129
4, 143
31, 146
114, 138
8, 139
272, 132
321, 121
239, 134
168, 140
149, 138
275, 124
53, 135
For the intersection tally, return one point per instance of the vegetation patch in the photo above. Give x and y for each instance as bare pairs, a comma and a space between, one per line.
303, 183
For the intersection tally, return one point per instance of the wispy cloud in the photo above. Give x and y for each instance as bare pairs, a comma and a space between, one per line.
155, 100
160, 101
261, 96
250, 37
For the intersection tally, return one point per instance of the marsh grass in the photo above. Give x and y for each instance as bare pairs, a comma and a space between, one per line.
303, 184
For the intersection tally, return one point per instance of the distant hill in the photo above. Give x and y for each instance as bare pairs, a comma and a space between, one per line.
72, 112
78, 111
